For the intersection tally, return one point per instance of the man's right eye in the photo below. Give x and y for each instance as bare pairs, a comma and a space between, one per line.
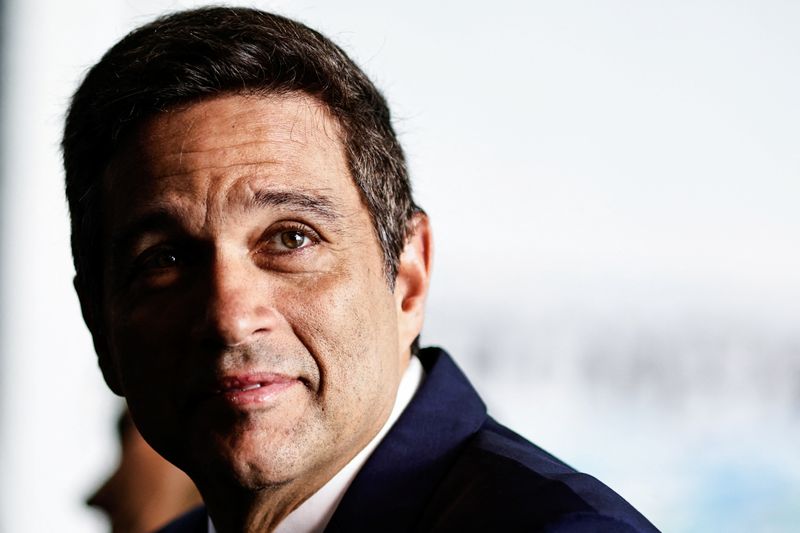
158, 267
159, 260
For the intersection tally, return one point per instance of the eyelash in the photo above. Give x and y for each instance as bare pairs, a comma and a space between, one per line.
274, 234
141, 264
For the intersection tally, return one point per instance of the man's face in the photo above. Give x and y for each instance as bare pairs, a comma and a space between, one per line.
247, 315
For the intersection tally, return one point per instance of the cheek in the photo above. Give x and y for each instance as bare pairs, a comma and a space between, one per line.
146, 347
349, 327
338, 311
145, 343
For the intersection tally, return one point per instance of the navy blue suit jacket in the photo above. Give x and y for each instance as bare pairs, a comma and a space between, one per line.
447, 466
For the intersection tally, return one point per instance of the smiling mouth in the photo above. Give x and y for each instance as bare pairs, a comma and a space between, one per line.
254, 390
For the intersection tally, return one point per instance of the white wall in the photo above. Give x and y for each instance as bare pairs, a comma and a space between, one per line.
613, 187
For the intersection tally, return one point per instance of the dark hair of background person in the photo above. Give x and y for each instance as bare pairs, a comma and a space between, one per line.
185, 57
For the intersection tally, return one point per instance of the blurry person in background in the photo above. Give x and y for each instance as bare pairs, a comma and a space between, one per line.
253, 269
145, 491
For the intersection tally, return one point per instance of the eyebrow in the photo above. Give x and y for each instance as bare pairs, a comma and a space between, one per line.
316, 204
164, 219
160, 219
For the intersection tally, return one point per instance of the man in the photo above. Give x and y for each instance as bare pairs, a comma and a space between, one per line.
253, 270
145, 491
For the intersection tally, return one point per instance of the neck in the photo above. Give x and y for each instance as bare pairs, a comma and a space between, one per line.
242, 511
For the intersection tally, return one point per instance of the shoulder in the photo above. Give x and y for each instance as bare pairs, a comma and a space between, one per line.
500, 481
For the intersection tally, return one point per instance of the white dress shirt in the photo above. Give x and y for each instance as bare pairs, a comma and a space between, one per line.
314, 514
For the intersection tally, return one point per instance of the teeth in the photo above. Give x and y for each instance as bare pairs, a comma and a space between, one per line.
250, 387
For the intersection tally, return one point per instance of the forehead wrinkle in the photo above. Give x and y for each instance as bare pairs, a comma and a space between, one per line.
261, 141
183, 173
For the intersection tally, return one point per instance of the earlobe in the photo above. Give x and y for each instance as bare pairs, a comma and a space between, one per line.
413, 279
88, 310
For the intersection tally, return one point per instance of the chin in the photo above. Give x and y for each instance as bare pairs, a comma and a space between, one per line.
251, 461
261, 470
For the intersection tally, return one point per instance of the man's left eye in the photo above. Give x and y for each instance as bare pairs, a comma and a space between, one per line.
287, 240
293, 239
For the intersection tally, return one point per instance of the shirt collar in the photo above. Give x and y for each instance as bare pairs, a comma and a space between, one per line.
314, 514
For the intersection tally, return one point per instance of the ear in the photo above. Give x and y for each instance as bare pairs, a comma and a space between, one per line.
90, 312
413, 279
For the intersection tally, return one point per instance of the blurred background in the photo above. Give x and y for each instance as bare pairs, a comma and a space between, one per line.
614, 188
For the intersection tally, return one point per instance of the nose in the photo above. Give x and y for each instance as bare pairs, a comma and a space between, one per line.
239, 306
104, 497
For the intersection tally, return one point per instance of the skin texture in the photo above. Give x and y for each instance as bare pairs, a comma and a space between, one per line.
145, 491
237, 248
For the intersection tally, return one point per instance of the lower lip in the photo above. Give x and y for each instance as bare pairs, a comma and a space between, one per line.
265, 394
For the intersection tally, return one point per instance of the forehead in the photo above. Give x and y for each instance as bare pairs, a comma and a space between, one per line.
216, 143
